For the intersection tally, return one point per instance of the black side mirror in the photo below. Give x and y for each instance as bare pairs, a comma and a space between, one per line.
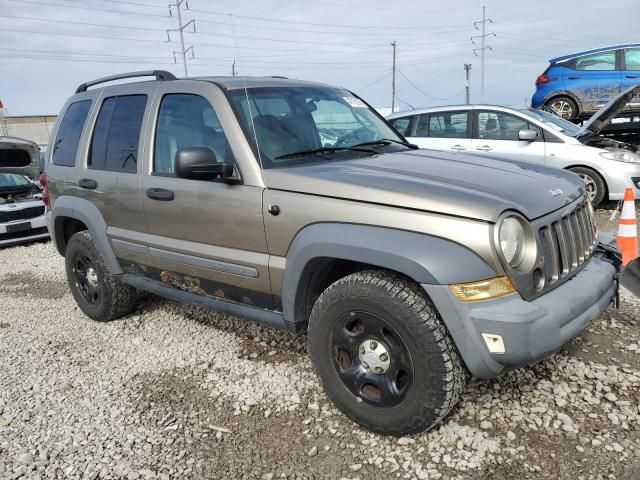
199, 163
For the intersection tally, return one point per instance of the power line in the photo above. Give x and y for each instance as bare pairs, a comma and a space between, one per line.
374, 82
34, 2
126, 27
427, 94
295, 22
127, 39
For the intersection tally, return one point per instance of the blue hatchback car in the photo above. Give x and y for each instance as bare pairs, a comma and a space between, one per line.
575, 86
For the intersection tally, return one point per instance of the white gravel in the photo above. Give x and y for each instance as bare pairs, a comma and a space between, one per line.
173, 391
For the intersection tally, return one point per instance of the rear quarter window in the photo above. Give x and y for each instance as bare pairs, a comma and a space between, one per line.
403, 125
65, 146
114, 144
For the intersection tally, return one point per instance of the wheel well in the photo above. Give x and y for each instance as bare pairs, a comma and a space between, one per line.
606, 187
316, 277
64, 229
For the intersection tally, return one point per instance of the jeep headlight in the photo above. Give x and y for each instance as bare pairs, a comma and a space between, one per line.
621, 156
512, 240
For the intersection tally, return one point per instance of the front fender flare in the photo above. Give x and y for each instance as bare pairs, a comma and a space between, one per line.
426, 259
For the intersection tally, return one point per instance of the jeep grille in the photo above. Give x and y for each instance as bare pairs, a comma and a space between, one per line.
567, 243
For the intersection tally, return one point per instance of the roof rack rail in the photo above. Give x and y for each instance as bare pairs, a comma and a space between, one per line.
159, 74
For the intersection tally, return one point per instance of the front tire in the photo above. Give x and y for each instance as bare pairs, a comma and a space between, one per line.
594, 184
564, 107
383, 355
96, 291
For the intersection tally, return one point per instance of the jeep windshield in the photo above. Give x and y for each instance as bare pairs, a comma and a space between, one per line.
300, 125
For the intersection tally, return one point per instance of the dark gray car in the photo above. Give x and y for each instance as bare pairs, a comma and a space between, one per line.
406, 267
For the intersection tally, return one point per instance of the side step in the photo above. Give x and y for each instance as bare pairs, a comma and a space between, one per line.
257, 314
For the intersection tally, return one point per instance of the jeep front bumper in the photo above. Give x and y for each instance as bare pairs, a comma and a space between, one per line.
531, 330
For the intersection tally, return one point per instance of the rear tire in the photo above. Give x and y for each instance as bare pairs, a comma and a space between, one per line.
96, 291
375, 320
564, 107
596, 188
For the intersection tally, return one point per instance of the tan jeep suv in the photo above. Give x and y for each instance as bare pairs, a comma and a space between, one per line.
296, 205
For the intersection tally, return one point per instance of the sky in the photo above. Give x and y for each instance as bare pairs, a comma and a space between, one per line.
49, 47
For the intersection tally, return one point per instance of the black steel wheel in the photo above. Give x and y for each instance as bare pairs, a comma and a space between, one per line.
371, 359
383, 355
99, 294
87, 281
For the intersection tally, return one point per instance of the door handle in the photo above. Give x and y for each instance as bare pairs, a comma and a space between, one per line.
631, 76
458, 147
573, 77
87, 183
485, 148
161, 194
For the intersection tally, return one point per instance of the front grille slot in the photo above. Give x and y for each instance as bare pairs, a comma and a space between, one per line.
567, 243
23, 214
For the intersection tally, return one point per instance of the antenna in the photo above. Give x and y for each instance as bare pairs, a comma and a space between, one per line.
393, 79
273, 209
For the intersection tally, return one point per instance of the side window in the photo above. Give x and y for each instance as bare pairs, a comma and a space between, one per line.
403, 125
448, 125
597, 61
502, 126
185, 121
422, 127
65, 146
632, 58
114, 145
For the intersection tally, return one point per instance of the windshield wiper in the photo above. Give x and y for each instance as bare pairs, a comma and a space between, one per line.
387, 141
316, 151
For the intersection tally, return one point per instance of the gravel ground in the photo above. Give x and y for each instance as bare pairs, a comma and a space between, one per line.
172, 391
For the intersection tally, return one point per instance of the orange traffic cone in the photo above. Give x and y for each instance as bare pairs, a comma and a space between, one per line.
628, 230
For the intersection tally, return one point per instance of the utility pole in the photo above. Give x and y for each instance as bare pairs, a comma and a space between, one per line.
483, 48
4, 132
393, 79
467, 85
180, 30
233, 68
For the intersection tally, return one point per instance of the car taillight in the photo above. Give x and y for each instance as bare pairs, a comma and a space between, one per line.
544, 79
45, 188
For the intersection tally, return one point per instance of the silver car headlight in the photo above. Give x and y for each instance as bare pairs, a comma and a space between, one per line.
512, 240
516, 242
621, 156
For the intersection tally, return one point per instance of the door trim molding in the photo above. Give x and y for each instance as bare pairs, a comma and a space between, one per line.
216, 265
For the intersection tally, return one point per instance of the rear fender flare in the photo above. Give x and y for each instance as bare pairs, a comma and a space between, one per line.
86, 212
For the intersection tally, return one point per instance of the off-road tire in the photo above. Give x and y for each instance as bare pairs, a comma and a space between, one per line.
116, 298
601, 187
439, 376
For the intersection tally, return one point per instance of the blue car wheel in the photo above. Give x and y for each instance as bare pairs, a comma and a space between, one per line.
564, 107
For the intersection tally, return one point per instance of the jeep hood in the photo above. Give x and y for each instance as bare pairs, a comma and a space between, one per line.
449, 183
608, 112
19, 156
